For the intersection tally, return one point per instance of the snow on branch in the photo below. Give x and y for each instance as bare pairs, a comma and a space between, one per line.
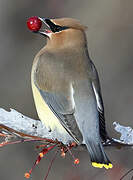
23, 126
16, 124
126, 134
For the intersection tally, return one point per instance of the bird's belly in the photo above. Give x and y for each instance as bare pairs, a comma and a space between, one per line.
45, 114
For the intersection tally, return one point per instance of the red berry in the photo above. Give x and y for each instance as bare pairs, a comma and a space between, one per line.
27, 175
76, 161
34, 23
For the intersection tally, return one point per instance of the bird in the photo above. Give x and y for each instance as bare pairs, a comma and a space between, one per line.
66, 87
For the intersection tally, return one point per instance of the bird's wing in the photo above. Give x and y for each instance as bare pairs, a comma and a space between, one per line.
100, 106
63, 110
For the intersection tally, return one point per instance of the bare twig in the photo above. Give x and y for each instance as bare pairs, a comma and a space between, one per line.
17, 128
126, 174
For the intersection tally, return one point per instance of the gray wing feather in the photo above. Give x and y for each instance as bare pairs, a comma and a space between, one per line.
59, 105
100, 106
58, 101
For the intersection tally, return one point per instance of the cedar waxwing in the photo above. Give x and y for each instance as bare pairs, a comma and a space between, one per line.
66, 88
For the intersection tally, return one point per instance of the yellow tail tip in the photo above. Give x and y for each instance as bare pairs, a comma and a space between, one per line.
100, 165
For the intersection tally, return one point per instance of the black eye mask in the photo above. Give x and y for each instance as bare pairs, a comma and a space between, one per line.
55, 28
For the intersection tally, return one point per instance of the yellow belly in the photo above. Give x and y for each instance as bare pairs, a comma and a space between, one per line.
44, 112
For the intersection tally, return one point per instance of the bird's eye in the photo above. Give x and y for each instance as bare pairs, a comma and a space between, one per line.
55, 28
58, 28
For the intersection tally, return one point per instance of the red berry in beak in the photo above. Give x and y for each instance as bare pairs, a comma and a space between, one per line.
34, 23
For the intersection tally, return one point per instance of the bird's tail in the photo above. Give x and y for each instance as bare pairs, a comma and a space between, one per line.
98, 157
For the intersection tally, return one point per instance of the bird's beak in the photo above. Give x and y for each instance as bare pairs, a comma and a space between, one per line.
47, 31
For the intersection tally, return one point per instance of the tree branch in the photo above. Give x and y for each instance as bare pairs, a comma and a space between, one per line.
14, 124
